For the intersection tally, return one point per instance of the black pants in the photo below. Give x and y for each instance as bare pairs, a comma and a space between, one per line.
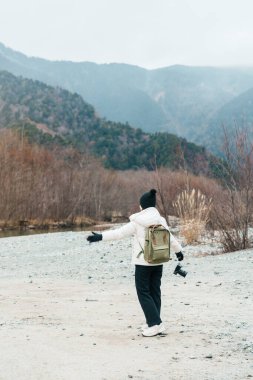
148, 287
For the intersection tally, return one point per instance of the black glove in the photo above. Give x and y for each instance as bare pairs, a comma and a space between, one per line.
95, 237
180, 256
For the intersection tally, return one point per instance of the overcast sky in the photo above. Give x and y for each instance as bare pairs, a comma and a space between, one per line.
148, 33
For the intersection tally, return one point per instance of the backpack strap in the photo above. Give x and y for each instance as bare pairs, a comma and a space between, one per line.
141, 252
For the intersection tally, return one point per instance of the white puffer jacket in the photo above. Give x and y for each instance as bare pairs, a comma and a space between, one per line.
136, 227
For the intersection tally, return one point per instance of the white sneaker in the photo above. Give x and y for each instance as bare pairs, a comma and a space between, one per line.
154, 330
144, 327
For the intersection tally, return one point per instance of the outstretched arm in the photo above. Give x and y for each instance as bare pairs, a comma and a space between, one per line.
117, 234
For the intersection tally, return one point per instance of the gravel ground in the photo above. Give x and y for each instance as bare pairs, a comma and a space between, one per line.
68, 311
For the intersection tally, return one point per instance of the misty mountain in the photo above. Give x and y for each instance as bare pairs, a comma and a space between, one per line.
54, 116
235, 115
114, 90
176, 99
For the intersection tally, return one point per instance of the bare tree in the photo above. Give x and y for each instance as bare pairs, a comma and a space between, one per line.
233, 213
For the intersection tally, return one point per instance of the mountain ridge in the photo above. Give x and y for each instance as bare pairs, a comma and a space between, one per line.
49, 115
235, 116
176, 99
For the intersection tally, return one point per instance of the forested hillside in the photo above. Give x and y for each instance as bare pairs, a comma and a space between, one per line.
177, 99
50, 115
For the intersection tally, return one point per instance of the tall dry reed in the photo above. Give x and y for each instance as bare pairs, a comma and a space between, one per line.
193, 209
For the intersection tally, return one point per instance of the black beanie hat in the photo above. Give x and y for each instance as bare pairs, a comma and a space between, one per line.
148, 199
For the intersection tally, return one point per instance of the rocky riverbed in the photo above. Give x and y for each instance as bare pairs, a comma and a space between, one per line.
68, 311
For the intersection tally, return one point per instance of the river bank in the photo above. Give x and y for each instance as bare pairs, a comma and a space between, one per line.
69, 311
34, 227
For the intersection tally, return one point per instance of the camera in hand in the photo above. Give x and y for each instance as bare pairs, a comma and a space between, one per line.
180, 271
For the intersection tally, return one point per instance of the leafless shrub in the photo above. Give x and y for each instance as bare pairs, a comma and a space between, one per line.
233, 213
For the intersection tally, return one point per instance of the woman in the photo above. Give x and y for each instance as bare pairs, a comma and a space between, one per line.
147, 276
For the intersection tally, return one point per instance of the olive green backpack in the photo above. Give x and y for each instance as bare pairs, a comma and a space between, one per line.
157, 245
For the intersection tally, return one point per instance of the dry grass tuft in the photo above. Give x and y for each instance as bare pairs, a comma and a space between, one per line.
193, 209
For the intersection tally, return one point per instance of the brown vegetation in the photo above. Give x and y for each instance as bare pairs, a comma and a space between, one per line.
62, 187
170, 184
233, 213
37, 184
193, 208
